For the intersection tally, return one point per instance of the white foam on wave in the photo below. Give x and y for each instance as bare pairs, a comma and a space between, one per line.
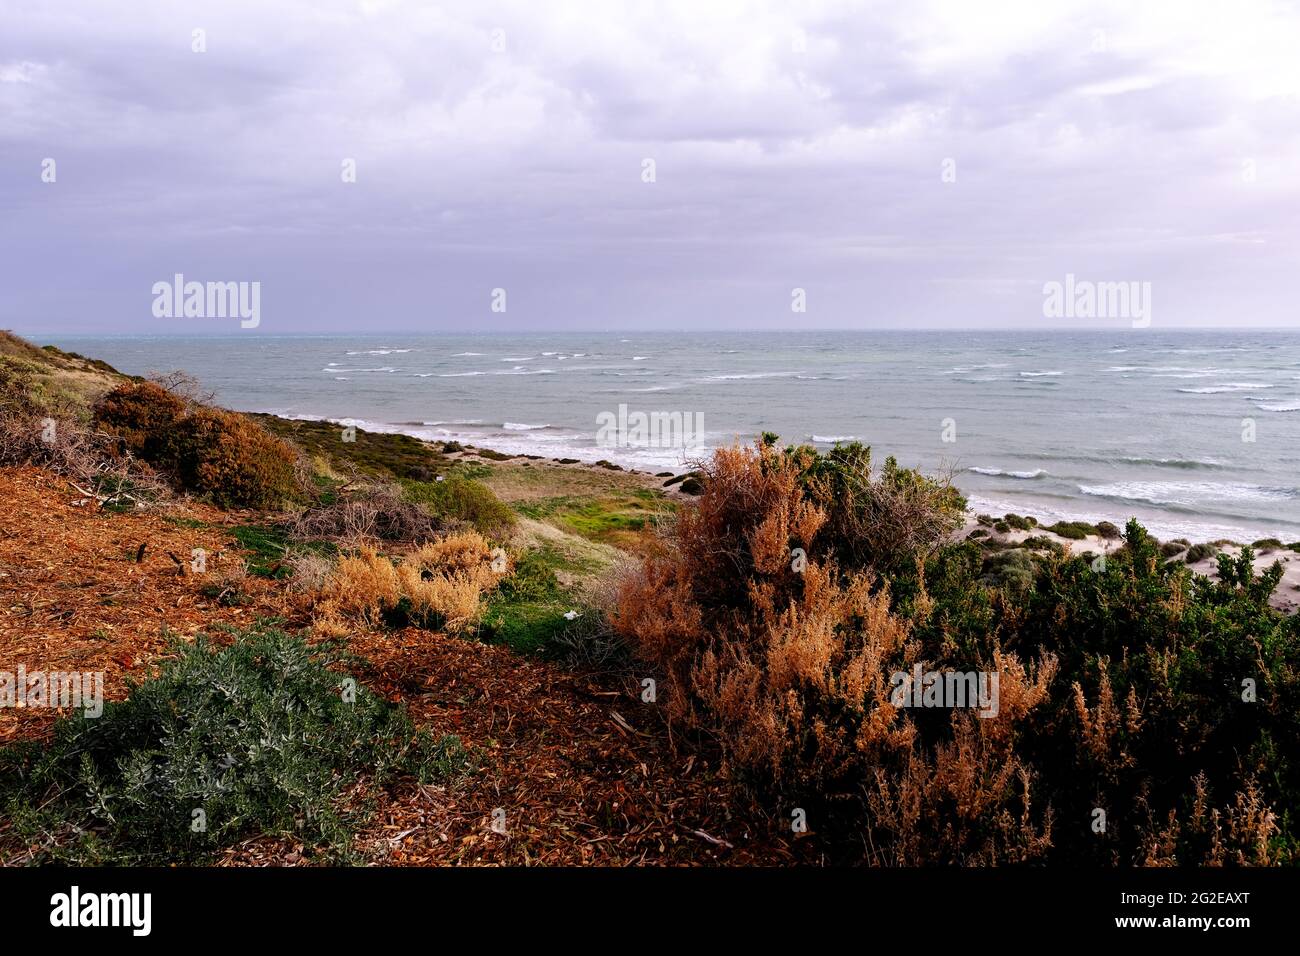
1228, 387
747, 376
999, 473
1186, 493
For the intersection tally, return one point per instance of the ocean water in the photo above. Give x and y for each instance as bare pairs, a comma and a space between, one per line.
1145, 423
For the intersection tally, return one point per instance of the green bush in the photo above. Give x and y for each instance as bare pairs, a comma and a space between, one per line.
1074, 530
224, 743
883, 518
1011, 570
466, 500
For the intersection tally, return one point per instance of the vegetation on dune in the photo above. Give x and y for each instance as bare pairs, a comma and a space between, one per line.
261, 736
463, 499
222, 455
776, 605
440, 585
1163, 700
373, 455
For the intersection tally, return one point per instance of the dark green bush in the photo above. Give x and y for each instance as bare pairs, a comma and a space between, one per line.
463, 499
256, 736
1074, 530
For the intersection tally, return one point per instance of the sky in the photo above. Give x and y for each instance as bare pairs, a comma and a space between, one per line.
619, 165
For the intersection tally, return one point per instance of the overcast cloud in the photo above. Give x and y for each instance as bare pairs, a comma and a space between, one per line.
795, 145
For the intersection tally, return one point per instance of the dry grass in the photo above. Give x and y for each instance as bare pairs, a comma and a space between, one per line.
439, 585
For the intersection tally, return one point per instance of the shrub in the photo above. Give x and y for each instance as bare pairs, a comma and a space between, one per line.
440, 585
1108, 530
144, 417
1074, 530
1020, 523
233, 460
883, 520
1125, 690
372, 513
1041, 542
787, 666
1012, 570
220, 454
463, 499
256, 736
1199, 552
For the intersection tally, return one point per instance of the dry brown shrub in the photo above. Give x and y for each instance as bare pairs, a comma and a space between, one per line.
90, 460
786, 663
369, 515
1240, 834
441, 584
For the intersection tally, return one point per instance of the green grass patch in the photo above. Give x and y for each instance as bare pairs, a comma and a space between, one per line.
610, 519
270, 545
527, 611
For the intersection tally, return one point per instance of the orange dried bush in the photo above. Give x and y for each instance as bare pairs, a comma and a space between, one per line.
786, 662
442, 584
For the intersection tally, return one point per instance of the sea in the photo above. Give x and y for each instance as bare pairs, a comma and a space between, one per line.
1195, 433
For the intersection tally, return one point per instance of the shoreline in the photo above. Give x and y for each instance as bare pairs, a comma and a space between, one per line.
1204, 531
993, 531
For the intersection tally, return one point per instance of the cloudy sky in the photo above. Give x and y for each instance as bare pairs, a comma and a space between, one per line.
907, 164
